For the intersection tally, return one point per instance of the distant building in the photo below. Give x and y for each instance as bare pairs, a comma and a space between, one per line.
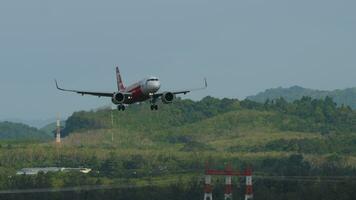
45, 170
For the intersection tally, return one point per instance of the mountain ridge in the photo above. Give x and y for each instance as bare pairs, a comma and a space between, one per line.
19, 131
340, 96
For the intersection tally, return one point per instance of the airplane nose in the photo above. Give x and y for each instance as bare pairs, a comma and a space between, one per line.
158, 85
153, 86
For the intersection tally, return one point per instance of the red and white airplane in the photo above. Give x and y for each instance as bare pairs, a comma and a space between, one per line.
146, 89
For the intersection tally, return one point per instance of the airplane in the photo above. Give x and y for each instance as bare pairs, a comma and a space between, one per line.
146, 89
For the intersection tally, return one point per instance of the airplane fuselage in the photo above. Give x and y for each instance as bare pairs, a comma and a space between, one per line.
142, 90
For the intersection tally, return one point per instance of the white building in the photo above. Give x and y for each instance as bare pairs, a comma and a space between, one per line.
45, 170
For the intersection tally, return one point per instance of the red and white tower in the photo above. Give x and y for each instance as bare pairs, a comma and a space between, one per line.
228, 183
228, 173
208, 188
249, 189
58, 133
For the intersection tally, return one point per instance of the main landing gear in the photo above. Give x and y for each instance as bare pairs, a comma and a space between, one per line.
121, 107
154, 107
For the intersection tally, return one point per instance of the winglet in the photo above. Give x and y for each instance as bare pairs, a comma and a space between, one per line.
57, 84
59, 87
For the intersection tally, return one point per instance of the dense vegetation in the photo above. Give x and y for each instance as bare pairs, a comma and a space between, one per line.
313, 115
190, 186
341, 97
162, 154
138, 117
304, 115
9, 130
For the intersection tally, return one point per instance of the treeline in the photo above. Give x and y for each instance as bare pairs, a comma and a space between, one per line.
11, 131
304, 115
139, 117
309, 115
341, 97
265, 187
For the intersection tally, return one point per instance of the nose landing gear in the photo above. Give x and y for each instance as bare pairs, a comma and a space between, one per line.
154, 106
121, 107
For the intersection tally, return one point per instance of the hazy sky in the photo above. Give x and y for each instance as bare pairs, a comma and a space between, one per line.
242, 46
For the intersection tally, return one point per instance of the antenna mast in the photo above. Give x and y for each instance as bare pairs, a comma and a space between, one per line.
58, 133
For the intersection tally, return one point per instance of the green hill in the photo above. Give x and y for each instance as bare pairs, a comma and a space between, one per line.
346, 96
139, 118
229, 126
17, 131
306, 114
51, 128
306, 137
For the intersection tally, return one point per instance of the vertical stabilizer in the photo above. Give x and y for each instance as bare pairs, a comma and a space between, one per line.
120, 84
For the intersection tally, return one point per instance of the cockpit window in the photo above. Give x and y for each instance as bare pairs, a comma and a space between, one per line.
153, 79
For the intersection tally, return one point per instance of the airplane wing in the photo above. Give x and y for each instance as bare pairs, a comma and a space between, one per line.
184, 91
99, 94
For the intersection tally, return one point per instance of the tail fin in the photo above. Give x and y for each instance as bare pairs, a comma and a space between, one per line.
120, 84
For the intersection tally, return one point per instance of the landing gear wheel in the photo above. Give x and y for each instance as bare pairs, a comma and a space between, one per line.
121, 107
154, 107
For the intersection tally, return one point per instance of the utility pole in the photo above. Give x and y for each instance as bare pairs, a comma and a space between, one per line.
58, 137
58, 132
228, 183
112, 126
249, 190
208, 189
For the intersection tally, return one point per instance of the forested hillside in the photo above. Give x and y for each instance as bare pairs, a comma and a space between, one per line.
345, 97
139, 118
162, 154
307, 125
9, 130
304, 115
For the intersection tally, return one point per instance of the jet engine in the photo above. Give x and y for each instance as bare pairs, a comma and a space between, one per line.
118, 98
167, 97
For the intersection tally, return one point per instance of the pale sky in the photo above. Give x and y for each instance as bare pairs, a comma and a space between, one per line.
241, 46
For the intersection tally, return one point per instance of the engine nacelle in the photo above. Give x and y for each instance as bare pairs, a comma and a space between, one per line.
167, 97
118, 98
